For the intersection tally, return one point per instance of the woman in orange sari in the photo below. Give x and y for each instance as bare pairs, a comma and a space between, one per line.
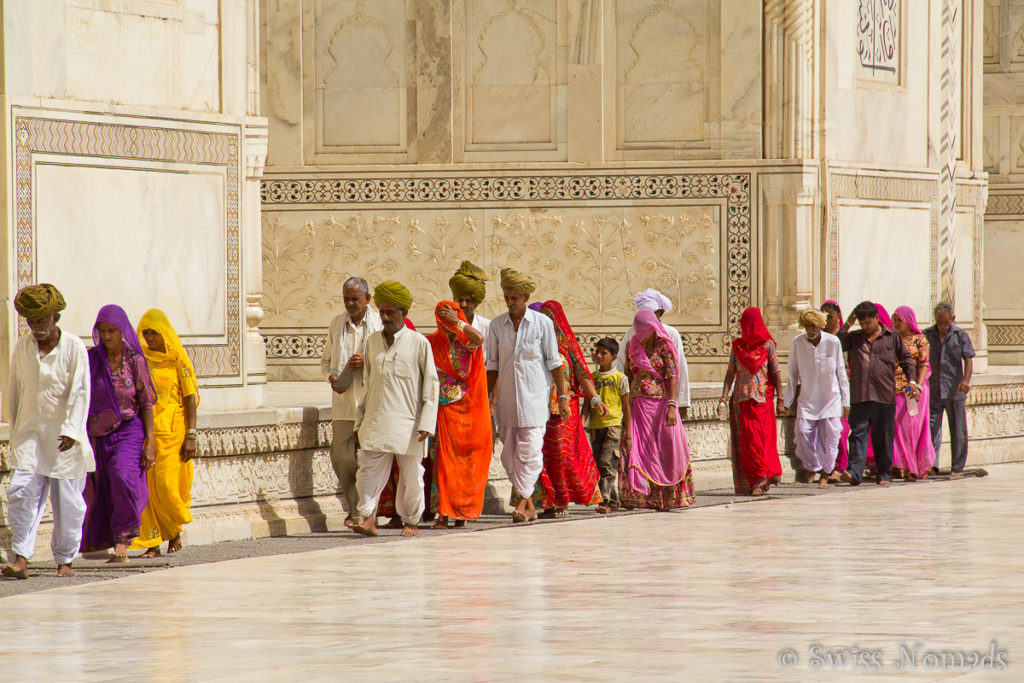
461, 451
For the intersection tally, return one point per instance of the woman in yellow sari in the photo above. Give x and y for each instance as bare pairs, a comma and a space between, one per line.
174, 430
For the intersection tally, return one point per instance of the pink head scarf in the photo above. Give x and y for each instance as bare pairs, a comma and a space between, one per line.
906, 314
883, 316
645, 322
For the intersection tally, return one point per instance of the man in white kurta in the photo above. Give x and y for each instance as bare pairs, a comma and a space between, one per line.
653, 300
48, 397
398, 412
346, 347
817, 369
522, 360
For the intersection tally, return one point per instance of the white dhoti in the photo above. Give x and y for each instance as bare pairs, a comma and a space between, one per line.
26, 503
373, 474
817, 443
523, 457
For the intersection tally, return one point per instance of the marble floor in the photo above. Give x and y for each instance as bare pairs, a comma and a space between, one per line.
906, 577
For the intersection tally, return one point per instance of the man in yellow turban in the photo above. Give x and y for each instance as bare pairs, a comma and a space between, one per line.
816, 367
50, 451
469, 287
521, 348
398, 413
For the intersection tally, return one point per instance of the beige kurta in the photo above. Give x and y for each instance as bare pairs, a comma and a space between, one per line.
401, 394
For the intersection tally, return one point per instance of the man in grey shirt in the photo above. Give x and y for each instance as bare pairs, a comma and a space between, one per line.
950, 357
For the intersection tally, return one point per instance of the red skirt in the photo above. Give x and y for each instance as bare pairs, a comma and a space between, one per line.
755, 450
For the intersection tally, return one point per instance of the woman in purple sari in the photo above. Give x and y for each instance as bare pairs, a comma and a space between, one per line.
121, 431
656, 472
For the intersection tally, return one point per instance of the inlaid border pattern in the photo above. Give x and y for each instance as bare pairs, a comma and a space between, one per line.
734, 188
36, 135
855, 185
1005, 203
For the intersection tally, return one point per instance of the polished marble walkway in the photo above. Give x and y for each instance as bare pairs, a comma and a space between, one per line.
719, 593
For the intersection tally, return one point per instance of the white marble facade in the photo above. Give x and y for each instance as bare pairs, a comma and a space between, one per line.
730, 152
133, 154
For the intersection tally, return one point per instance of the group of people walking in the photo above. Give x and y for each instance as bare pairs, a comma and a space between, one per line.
881, 412
107, 433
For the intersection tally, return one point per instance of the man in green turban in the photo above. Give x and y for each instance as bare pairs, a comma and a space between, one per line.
521, 348
50, 451
469, 287
398, 413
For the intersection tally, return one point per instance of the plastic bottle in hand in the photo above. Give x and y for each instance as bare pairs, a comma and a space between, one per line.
911, 402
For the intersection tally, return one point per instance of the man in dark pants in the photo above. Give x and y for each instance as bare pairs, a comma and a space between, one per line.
874, 353
950, 358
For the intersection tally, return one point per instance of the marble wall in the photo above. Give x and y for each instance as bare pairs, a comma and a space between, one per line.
1003, 154
133, 154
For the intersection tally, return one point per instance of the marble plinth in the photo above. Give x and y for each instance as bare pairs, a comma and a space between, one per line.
268, 472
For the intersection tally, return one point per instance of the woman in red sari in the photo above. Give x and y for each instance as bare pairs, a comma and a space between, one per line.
461, 451
569, 474
754, 366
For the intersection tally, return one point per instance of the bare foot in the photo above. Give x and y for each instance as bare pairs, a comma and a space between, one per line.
823, 481
149, 554
367, 528
441, 523
120, 555
845, 477
956, 475
602, 509
174, 545
521, 513
459, 523
884, 482
348, 522
65, 570
18, 570
409, 530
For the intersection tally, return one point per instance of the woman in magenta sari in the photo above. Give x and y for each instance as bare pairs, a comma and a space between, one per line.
754, 383
120, 429
913, 452
656, 472
834, 322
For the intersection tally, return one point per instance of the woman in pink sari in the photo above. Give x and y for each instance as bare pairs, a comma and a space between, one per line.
656, 472
834, 322
913, 452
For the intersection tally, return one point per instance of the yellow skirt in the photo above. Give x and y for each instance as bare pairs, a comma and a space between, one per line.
170, 489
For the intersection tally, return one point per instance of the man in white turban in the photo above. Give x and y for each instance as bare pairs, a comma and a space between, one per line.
653, 300
816, 367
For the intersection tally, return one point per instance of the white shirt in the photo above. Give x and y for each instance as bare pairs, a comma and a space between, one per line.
49, 398
344, 339
481, 325
683, 390
821, 374
401, 394
524, 361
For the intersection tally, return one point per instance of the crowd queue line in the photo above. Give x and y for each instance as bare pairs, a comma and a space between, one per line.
108, 433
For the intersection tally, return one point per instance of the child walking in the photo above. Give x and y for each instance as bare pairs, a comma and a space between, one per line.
609, 433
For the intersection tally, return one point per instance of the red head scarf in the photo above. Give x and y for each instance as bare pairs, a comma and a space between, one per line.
567, 344
750, 348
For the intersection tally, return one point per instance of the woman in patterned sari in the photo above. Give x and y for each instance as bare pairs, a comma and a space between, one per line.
570, 473
461, 451
913, 452
174, 433
754, 383
656, 472
120, 428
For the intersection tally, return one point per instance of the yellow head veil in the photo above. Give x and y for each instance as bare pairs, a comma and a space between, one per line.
155, 319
